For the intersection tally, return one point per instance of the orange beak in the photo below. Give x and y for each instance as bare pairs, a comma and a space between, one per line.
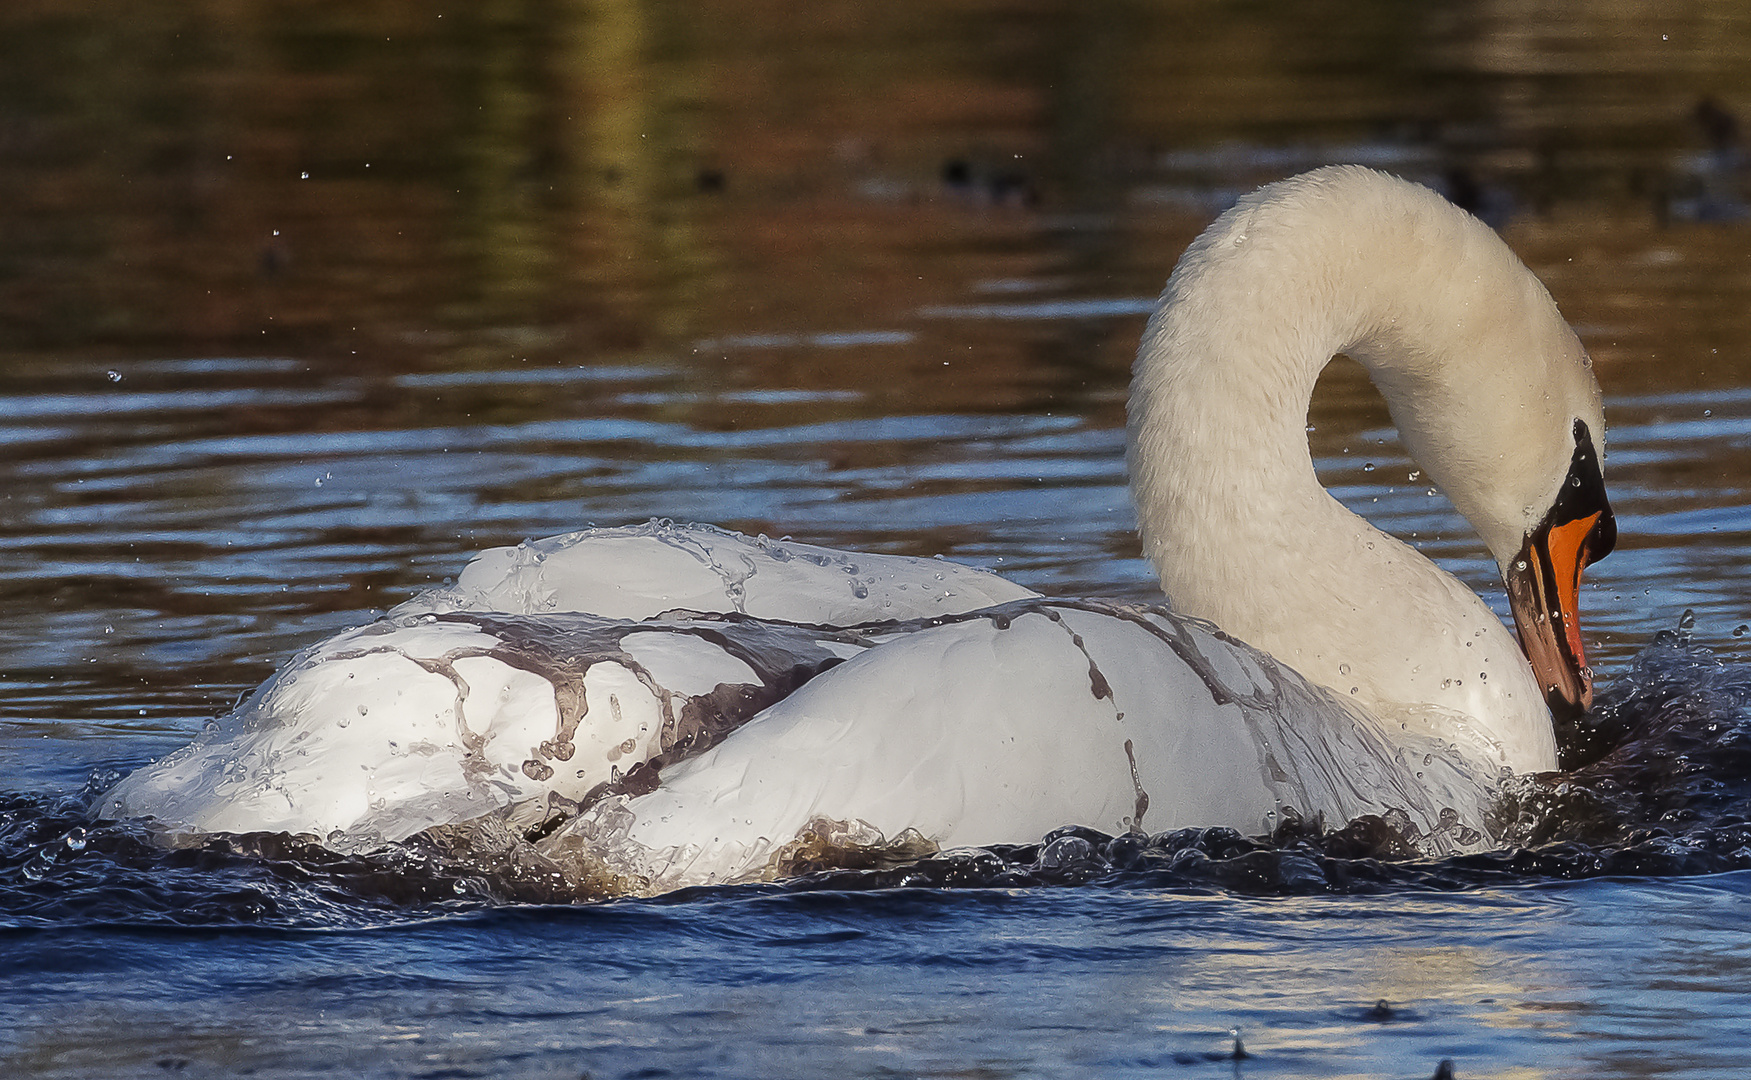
1544, 587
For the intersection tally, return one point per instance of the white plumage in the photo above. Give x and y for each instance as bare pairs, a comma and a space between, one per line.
677, 703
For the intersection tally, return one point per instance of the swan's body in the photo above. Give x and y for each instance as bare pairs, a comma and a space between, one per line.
582, 684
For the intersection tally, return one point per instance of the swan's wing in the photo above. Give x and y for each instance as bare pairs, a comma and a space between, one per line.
640, 571
696, 749
382, 731
1000, 726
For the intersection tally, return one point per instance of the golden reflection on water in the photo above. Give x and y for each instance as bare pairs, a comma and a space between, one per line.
329, 178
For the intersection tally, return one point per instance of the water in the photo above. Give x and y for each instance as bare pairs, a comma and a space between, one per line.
871, 280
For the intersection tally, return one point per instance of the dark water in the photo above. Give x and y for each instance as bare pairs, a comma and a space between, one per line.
871, 277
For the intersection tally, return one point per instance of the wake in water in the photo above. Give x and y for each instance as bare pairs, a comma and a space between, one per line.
1657, 782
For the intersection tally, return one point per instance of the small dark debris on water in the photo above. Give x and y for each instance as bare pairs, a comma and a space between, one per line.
1237, 1053
994, 187
1381, 1012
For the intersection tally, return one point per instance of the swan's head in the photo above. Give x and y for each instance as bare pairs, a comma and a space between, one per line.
1544, 579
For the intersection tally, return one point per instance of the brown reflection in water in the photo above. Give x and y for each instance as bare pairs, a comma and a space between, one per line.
475, 184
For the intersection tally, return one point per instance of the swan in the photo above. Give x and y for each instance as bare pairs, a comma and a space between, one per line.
666, 705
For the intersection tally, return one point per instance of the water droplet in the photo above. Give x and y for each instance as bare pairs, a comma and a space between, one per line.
75, 840
1739, 631
1367, 466
114, 376
1343, 669
303, 176
1415, 473
1520, 564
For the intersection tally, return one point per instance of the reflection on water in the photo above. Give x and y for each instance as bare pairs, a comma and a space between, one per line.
301, 304
411, 177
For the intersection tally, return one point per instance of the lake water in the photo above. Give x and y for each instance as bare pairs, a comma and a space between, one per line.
300, 305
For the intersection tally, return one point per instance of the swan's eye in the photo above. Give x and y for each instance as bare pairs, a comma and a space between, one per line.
1583, 496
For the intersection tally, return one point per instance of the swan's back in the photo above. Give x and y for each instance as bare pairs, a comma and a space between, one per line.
640, 571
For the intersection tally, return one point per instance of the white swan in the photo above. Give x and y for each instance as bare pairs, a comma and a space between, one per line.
583, 687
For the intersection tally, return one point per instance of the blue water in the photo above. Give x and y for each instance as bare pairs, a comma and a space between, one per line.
300, 306
1607, 942
1535, 980
172, 572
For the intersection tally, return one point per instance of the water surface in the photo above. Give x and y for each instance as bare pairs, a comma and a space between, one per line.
300, 306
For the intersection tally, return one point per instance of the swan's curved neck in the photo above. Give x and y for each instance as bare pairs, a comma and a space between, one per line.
1229, 507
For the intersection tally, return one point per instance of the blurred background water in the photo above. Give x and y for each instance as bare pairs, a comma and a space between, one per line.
303, 302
